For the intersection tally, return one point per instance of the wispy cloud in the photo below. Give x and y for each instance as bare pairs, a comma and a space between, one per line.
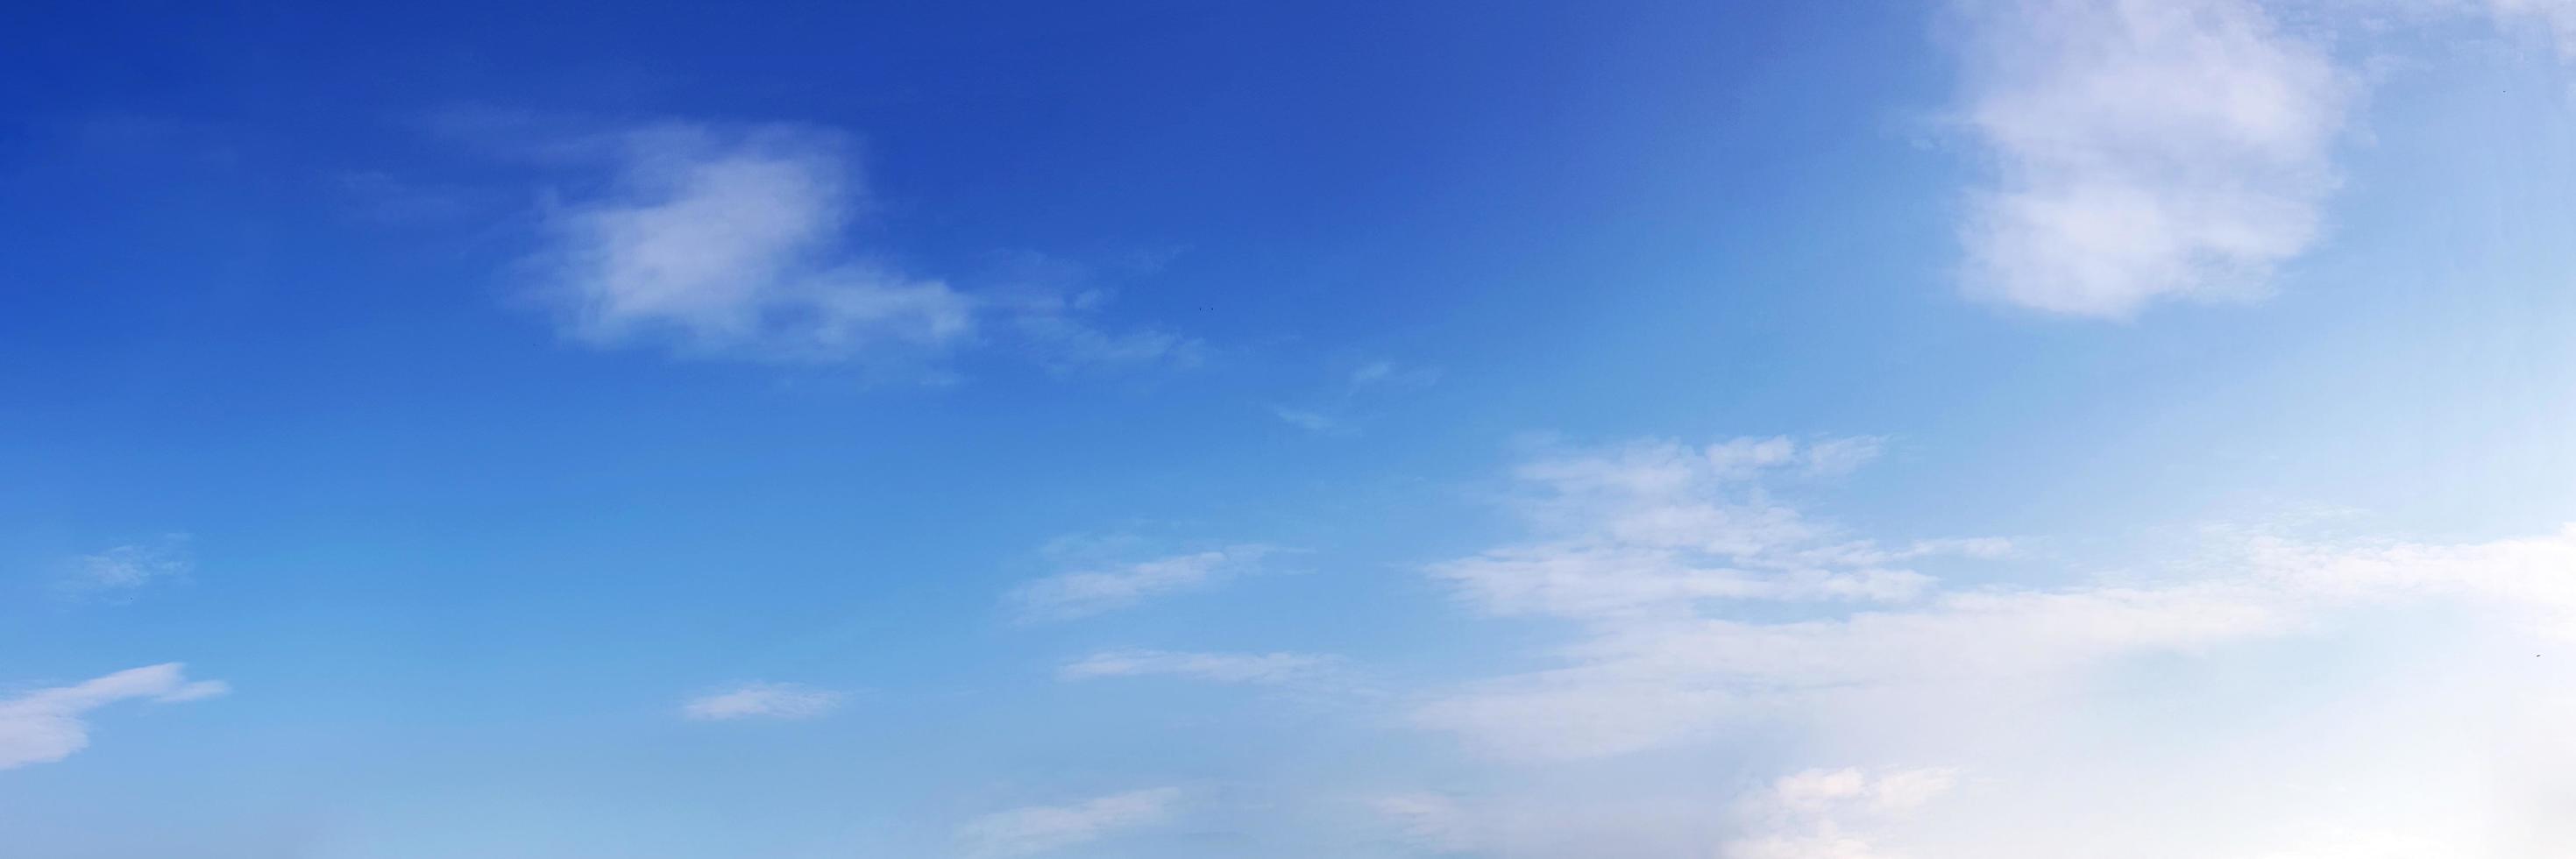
1433, 822
1057, 328
1342, 407
1215, 667
734, 241
1312, 421
762, 701
1045, 828
1657, 527
49, 725
2142, 150
120, 572
1092, 591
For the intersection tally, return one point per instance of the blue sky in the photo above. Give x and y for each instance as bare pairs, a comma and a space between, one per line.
1973, 428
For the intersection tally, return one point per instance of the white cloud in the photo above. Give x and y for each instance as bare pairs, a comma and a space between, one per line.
2142, 150
1088, 592
737, 242
1817, 790
1217, 667
2265, 696
48, 725
762, 701
1657, 527
1829, 814
122, 570
1046, 828
732, 243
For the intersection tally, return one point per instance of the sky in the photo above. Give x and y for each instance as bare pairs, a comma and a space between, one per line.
1963, 428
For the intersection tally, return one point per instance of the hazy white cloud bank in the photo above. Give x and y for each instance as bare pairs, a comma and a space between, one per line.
2556, 17
762, 701
1046, 828
2142, 149
740, 242
48, 725
2266, 696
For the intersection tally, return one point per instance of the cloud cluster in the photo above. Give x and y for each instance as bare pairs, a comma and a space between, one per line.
48, 725
1045, 828
1699, 630
2142, 149
762, 701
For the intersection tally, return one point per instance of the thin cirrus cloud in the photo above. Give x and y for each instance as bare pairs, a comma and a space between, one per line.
1698, 617
1087, 592
1260, 668
1343, 407
783, 701
1654, 526
736, 242
48, 725
1038, 829
2142, 150
122, 571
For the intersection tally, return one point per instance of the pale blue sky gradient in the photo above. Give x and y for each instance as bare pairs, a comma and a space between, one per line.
1357, 430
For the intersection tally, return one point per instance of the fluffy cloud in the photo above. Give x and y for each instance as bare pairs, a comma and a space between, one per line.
48, 725
1216, 667
737, 242
2142, 150
1827, 814
1045, 828
732, 243
762, 701
1088, 592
